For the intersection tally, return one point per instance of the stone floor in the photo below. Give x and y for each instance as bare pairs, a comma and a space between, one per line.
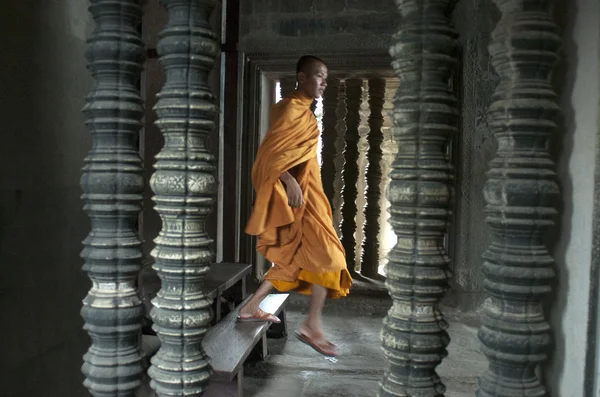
295, 370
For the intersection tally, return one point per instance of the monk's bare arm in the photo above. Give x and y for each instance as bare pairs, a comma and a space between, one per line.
287, 178
293, 190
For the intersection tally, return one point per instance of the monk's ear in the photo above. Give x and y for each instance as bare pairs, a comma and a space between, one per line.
301, 76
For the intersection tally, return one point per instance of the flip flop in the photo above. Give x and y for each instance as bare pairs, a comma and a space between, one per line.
259, 316
308, 341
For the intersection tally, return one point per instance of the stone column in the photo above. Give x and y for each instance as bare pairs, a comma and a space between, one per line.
350, 171
338, 183
288, 85
425, 56
520, 192
370, 246
112, 186
328, 137
185, 187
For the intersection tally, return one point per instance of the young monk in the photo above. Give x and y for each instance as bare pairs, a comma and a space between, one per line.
292, 217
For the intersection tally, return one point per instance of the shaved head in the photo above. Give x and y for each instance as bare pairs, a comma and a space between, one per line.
311, 74
307, 64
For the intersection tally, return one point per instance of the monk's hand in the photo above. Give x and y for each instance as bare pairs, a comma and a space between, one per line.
293, 190
294, 193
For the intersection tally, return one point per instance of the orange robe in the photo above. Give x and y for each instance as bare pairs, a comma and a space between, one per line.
300, 242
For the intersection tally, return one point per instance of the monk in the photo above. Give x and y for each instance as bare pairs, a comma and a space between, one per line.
292, 217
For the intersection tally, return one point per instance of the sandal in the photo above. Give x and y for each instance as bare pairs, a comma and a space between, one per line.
330, 351
259, 316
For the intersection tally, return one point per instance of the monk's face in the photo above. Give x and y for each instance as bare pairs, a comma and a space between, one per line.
314, 81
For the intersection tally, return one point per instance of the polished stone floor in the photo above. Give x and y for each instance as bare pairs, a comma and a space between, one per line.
295, 370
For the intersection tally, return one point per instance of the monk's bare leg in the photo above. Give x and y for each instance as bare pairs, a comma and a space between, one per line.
251, 310
312, 328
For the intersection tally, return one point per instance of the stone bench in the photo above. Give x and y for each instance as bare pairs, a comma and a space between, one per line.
229, 343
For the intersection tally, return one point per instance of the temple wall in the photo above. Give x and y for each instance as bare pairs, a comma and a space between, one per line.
573, 303
274, 26
44, 82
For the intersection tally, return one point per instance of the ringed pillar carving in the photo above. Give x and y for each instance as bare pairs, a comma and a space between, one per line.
113, 186
425, 56
328, 137
520, 194
185, 188
370, 246
350, 172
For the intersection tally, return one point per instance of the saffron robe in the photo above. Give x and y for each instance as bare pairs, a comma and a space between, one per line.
301, 243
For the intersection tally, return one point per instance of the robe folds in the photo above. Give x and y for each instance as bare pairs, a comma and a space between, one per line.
301, 243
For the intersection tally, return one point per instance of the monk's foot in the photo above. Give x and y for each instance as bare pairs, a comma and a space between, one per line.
316, 339
257, 315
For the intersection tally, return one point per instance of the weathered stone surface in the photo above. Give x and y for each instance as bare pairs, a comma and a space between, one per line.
474, 20
520, 193
315, 27
425, 57
185, 187
112, 186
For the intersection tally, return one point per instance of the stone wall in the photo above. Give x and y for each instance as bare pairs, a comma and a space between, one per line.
474, 20
572, 369
44, 82
324, 26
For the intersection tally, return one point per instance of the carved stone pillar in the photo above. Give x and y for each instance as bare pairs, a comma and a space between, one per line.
370, 246
185, 187
112, 186
350, 172
425, 114
328, 137
520, 192
288, 85
339, 158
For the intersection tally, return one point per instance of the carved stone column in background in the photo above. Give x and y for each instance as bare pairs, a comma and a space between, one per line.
328, 137
520, 193
350, 171
288, 85
387, 237
338, 183
414, 339
112, 186
370, 246
185, 187
361, 183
